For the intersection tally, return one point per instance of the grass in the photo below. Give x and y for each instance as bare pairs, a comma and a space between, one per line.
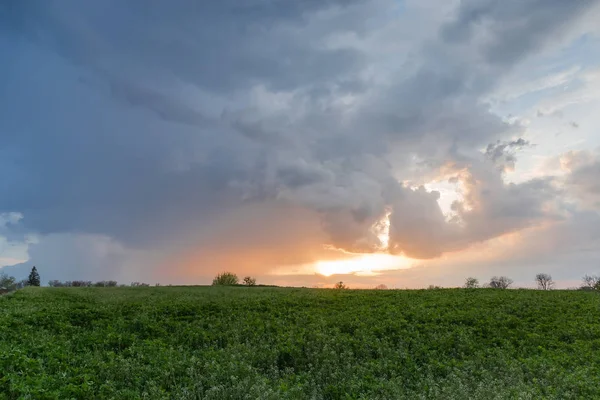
276, 343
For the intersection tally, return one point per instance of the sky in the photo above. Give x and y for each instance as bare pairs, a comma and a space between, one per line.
398, 142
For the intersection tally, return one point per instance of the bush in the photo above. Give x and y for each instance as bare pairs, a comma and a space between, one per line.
225, 279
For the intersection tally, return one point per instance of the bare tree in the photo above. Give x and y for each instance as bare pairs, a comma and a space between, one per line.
591, 282
340, 285
544, 281
471, 283
249, 281
500, 282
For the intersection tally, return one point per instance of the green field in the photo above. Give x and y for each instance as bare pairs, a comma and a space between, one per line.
278, 343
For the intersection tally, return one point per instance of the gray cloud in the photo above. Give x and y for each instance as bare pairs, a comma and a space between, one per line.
148, 123
503, 153
582, 180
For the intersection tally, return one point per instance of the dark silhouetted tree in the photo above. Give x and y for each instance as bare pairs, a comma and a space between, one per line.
340, 285
544, 281
225, 279
381, 287
34, 277
500, 282
471, 283
249, 281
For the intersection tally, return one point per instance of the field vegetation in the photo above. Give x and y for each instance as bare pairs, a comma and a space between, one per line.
238, 342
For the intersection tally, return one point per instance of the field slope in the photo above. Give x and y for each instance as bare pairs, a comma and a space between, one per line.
276, 343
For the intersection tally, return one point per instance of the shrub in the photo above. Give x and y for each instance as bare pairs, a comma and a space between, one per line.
225, 279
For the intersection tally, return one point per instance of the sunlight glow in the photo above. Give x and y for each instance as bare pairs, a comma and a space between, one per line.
364, 264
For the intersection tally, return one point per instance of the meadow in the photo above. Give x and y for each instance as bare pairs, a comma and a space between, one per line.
285, 343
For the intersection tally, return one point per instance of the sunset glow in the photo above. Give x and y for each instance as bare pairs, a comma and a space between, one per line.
364, 264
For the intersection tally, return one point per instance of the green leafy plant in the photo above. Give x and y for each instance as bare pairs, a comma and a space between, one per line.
290, 343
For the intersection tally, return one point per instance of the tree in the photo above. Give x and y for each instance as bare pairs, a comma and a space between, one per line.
500, 282
591, 282
225, 279
34, 278
139, 284
544, 281
249, 281
7, 282
81, 283
381, 287
340, 285
21, 284
471, 283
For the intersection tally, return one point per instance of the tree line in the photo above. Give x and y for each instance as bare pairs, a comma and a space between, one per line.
543, 281
9, 283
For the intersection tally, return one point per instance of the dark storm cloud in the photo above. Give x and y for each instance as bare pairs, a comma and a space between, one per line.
507, 31
148, 121
219, 46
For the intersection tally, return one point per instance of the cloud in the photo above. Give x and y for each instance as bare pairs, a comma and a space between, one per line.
503, 153
582, 179
149, 126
